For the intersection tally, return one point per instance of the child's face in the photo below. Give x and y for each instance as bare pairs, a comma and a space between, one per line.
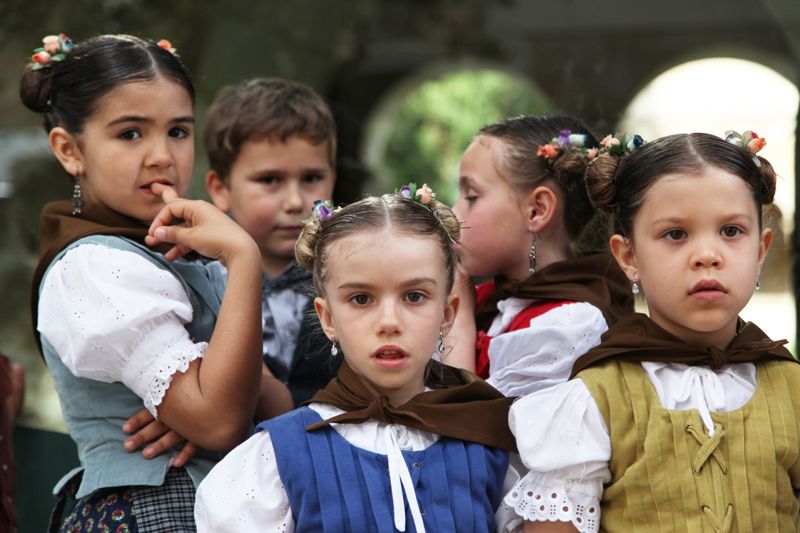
494, 236
386, 301
697, 250
271, 189
141, 133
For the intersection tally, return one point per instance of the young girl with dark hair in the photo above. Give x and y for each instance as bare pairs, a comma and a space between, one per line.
120, 324
397, 441
529, 223
686, 419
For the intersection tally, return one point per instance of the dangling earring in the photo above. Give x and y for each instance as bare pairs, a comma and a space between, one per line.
532, 256
440, 347
635, 287
77, 198
758, 284
334, 349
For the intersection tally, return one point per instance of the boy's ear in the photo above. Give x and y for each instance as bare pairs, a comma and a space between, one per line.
323, 310
541, 207
218, 190
66, 149
622, 249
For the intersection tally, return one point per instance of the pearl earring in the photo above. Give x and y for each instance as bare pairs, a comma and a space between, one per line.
635, 287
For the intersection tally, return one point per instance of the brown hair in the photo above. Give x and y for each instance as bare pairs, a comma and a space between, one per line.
265, 108
522, 137
67, 92
434, 220
618, 184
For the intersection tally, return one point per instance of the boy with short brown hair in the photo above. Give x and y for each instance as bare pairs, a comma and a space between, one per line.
271, 145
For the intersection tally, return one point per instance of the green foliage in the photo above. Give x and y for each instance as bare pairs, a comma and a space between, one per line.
437, 121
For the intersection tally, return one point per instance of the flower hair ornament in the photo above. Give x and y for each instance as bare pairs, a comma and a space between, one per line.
166, 45
748, 141
321, 211
565, 142
618, 145
422, 196
54, 48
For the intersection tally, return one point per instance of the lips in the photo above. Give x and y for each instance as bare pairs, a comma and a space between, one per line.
149, 185
389, 353
708, 285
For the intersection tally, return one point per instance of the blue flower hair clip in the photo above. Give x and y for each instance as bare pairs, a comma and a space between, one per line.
748, 141
54, 48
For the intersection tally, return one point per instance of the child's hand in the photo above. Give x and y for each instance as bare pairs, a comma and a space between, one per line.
461, 339
159, 435
464, 288
200, 226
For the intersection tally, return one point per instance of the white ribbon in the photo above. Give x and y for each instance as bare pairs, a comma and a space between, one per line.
401, 483
704, 390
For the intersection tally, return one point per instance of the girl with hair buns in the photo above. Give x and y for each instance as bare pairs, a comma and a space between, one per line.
391, 444
529, 223
686, 419
120, 324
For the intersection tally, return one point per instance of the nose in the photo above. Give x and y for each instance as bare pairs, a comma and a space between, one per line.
159, 155
707, 255
293, 200
388, 319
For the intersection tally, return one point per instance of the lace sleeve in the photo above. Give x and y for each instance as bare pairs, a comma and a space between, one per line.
540, 356
564, 443
112, 315
243, 493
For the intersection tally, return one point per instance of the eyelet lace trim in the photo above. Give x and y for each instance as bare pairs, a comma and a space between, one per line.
167, 366
550, 501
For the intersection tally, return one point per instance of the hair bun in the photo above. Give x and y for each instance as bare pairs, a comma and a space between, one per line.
36, 89
601, 183
768, 179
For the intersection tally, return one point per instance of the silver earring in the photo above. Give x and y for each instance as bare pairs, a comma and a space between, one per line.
758, 284
440, 347
635, 287
532, 256
77, 198
334, 349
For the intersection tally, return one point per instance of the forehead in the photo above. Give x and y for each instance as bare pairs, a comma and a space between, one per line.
160, 96
709, 191
383, 257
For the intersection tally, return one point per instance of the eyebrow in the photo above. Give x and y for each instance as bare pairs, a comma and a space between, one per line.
464, 181
140, 119
680, 220
406, 283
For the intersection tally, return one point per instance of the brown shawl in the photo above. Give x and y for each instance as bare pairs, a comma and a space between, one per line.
595, 278
58, 228
637, 338
461, 406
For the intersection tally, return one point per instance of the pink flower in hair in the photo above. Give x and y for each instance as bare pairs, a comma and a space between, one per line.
756, 144
591, 153
424, 194
41, 58
51, 44
609, 141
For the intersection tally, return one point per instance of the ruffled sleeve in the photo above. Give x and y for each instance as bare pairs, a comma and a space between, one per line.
564, 443
243, 492
540, 356
113, 316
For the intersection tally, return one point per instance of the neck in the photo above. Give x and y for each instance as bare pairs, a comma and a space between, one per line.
545, 256
273, 267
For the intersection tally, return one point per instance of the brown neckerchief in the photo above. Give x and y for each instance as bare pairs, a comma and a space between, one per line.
594, 278
58, 228
461, 406
637, 338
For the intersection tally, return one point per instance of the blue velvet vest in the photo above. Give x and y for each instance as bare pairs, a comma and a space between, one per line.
335, 486
94, 411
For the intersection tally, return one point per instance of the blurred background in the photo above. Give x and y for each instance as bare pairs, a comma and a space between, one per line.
410, 82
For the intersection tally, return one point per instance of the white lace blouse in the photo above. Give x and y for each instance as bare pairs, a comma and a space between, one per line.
540, 356
113, 316
564, 442
244, 493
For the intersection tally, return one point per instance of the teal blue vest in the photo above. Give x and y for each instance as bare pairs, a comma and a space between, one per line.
94, 412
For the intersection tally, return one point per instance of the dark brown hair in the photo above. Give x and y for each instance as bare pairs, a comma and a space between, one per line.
434, 220
522, 137
619, 184
67, 92
265, 108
